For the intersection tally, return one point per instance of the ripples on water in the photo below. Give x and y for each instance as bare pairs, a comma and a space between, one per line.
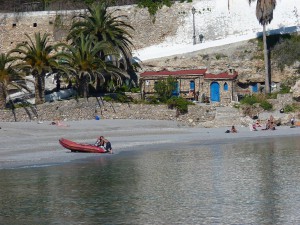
241, 183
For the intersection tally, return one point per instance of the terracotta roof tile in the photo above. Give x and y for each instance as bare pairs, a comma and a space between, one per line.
224, 75
173, 73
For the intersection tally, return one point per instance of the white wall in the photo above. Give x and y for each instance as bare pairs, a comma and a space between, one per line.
222, 25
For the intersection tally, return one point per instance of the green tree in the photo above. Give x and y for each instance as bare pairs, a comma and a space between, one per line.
154, 6
104, 26
164, 88
82, 60
264, 15
37, 57
9, 78
287, 52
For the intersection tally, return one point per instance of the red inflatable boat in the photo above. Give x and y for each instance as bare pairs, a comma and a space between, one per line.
77, 147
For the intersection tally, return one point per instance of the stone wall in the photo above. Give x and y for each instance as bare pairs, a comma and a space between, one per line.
214, 19
87, 110
147, 30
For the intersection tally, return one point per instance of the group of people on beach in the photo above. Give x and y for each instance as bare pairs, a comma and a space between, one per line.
270, 125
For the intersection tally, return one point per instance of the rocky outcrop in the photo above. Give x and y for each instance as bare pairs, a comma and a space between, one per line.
296, 90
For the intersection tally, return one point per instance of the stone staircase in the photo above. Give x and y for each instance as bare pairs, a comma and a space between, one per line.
227, 116
224, 116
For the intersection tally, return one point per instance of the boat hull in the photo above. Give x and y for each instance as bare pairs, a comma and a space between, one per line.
78, 147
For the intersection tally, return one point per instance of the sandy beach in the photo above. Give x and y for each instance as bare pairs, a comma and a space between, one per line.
31, 143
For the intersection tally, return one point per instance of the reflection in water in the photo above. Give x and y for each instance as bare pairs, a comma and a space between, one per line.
240, 183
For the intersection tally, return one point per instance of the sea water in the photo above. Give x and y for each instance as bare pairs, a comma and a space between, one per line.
249, 182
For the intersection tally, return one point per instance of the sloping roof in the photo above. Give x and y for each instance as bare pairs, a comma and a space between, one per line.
221, 76
211, 76
173, 73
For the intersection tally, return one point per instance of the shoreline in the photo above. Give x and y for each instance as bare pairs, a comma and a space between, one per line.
29, 144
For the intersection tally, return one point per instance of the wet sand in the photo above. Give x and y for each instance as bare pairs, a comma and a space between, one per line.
30, 143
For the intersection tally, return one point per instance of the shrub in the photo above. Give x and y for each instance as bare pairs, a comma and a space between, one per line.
259, 98
266, 105
107, 98
272, 95
291, 108
117, 98
249, 100
180, 104
152, 100
164, 88
135, 90
284, 89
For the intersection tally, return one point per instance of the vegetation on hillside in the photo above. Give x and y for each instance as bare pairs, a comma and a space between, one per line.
284, 51
287, 51
257, 99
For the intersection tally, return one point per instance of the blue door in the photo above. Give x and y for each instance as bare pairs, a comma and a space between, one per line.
215, 92
175, 92
192, 85
254, 88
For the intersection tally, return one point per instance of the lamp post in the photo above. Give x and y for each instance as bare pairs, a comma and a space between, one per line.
194, 34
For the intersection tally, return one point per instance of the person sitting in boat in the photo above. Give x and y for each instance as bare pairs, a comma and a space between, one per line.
104, 143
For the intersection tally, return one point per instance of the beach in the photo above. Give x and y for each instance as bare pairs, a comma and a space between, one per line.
26, 144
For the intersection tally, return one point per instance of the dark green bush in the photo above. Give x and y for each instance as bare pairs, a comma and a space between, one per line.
153, 6
152, 100
291, 108
249, 100
122, 98
288, 108
284, 89
179, 103
272, 95
259, 98
119, 97
266, 105
108, 98
135, 90
164, 88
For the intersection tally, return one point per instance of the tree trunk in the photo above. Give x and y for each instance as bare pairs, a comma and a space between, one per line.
84, 86
39, 89
2, 97
266, 58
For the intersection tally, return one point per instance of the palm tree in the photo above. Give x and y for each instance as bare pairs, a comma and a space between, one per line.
37, 57
82, 60
9, 78
106, 27
264, 14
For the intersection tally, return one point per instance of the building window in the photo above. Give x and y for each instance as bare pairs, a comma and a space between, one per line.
225, 87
